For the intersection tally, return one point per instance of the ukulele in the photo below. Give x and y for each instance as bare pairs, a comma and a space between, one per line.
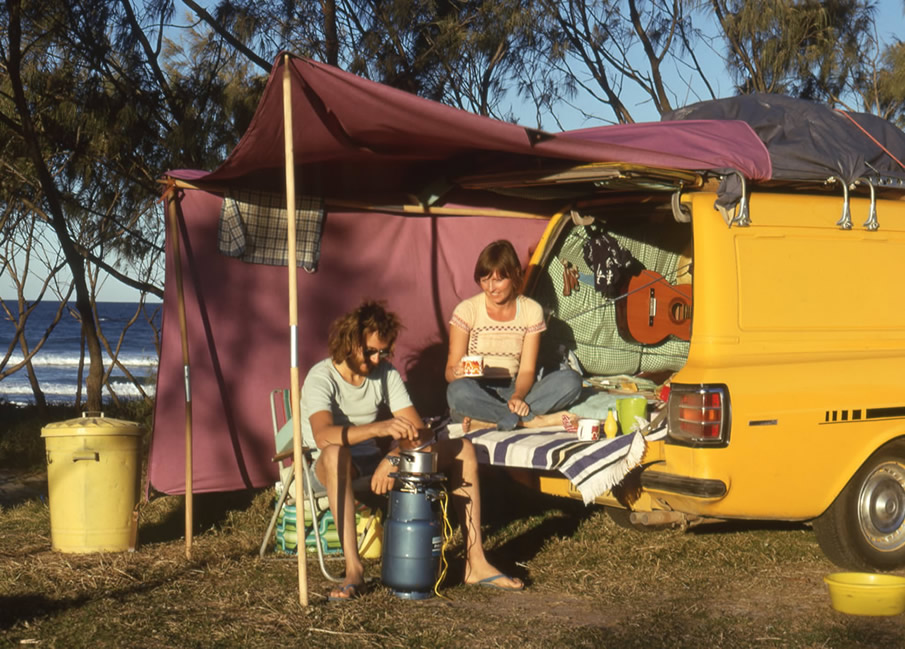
653, 309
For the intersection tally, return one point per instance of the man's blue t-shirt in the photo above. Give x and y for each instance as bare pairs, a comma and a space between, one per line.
326, 390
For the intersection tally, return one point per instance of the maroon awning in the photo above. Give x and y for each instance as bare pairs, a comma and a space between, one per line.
342, 120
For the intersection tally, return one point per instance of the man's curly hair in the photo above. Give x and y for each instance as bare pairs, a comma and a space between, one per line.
348, 332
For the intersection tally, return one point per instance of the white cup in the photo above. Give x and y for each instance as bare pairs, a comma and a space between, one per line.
473, 365
588, 430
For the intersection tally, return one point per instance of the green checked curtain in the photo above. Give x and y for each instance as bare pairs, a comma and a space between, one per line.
253, 228
585, 321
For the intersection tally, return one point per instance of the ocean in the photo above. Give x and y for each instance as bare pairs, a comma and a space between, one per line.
56, 364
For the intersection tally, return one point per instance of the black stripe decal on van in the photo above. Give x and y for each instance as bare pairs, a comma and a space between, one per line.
858, 414
885, 413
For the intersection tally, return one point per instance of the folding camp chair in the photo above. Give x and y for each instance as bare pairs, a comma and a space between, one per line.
281, 417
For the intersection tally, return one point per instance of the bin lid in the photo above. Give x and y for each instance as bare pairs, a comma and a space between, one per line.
91, 424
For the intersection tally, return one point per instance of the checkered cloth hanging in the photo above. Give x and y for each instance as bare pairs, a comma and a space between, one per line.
253, 228
585, 321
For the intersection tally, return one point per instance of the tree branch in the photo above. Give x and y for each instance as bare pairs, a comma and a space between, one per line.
125, 279
229, 38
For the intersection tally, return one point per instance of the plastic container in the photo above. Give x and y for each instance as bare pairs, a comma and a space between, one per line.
93, 471
370, 533
610, 426
865, 593
629, 409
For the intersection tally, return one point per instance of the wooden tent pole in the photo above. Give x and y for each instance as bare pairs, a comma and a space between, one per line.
183, 331
295, 391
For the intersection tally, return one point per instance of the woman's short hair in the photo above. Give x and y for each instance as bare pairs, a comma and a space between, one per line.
499, 257
348, 332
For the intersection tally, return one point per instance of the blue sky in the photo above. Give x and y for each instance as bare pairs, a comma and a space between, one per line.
890, 24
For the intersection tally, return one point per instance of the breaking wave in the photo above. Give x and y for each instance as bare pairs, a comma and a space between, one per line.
64, 393
51, 359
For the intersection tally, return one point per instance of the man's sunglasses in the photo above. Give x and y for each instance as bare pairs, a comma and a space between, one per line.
381, 353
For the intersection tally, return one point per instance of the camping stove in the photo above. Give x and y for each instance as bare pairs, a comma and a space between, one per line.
412, 534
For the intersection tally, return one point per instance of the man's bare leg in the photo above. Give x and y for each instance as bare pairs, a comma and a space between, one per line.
457, 458
334, 470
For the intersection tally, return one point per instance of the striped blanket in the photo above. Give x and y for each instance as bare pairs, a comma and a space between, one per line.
593, 467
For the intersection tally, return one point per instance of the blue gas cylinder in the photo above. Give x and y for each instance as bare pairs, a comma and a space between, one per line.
412, 540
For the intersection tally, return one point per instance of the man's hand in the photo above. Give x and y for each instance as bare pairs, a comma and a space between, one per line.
399, 428
519, 407
381, 482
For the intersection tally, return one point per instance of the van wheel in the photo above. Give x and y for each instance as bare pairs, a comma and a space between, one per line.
864, 528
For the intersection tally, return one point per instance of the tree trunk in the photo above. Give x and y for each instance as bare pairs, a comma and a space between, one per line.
40, 400
81, 371
331, 40
58, 219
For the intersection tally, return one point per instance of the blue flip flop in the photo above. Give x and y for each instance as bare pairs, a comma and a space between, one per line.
491, 582
352, 591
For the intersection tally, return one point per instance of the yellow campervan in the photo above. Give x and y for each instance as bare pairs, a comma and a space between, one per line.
779, 355
791, 404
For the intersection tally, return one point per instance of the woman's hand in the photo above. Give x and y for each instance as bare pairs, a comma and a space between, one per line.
381, 482
519, 407
458, 371
524, 380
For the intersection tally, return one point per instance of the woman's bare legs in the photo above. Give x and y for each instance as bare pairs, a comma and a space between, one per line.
541, 421
468, 424
550, 419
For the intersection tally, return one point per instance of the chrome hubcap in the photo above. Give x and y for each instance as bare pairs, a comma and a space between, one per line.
881, 507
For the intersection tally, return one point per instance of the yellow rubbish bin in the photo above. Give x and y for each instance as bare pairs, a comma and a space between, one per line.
93, 473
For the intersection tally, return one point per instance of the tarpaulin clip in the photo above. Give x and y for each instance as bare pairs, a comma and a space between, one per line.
871, 223
845, 221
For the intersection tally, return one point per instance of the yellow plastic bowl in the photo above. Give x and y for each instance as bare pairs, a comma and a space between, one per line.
865, 593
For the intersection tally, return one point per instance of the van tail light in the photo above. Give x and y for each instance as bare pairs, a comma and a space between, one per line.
699, 415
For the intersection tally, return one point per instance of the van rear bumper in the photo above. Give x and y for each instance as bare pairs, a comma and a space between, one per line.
683, 485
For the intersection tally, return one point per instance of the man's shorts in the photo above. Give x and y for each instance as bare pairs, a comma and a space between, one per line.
365, 464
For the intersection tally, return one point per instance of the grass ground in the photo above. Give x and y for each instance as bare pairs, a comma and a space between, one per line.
591, 583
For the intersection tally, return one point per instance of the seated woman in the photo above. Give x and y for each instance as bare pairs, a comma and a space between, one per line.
505, 328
